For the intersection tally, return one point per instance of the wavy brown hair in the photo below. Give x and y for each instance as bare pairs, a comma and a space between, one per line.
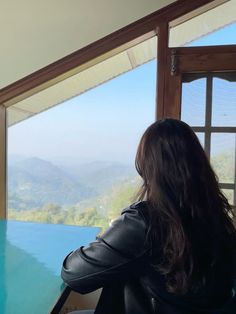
191, 219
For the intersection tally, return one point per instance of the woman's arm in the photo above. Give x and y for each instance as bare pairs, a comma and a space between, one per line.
117, 254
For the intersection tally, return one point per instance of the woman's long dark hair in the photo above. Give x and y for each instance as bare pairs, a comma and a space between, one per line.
191, 219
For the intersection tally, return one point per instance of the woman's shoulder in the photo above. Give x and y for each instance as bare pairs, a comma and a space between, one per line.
138, 209
128, 233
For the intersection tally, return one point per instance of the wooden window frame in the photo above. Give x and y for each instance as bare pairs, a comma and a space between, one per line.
198, 60
208, 129
184, 60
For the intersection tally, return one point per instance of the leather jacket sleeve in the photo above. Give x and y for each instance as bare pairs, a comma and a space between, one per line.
116, 255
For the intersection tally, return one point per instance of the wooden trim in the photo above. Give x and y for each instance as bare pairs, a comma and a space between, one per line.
205, 49
61, 300
173, 92
182, 7
163, 37
207, 62
3, 162
56, 71
206, 59
173, 87
214, 129
196, 12
229, 76
208, 115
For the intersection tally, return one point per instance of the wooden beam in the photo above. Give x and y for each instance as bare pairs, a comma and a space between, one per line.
173, 85
163, 37
3, 177
206, 50
173, 93
208, 60
57, 71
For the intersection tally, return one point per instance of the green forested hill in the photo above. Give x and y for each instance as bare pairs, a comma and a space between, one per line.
87, 194
111, 188
98, 211
34, 182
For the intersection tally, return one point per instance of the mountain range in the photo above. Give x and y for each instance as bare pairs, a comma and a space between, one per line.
34, 182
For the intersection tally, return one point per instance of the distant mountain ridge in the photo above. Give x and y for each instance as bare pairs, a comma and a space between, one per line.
100, 175
34, 182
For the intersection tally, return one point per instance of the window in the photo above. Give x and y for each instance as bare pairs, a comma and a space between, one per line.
208, 105
76, 165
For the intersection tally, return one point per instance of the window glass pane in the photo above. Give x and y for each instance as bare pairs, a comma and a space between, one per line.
201, 137
223, 103
214, 27
223, 156
193, 102
229, 194
74, 164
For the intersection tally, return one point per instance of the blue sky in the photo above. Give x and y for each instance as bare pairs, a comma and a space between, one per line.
102, 124
106, 123
224, 36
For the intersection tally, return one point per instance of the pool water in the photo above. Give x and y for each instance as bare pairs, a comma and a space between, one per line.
31, 256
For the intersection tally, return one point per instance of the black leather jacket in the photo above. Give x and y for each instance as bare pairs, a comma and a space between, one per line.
119, 261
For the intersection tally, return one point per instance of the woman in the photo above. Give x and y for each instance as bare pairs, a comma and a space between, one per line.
174, 250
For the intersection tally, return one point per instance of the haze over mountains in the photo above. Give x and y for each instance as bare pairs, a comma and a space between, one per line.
34, 182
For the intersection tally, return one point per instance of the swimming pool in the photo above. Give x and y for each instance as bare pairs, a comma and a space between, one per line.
31, 255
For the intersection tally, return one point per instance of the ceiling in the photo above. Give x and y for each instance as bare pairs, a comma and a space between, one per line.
36, 33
